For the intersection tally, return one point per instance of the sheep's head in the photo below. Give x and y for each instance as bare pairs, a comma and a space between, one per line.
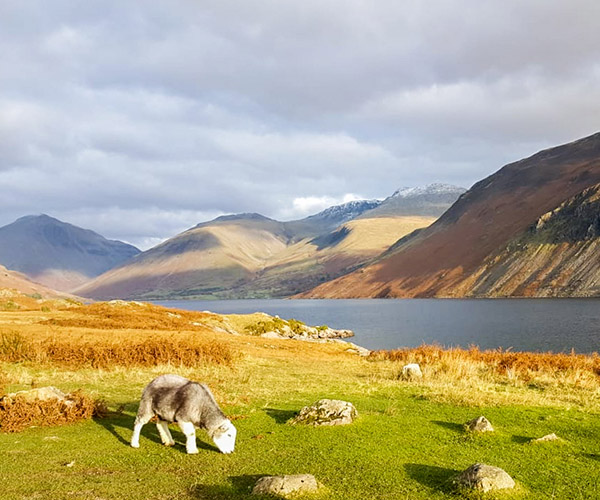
224, 437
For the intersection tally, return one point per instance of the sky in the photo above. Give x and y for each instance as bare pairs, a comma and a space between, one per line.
141, 119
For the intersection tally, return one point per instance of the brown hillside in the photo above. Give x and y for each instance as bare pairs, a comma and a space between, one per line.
12, 280
441, 260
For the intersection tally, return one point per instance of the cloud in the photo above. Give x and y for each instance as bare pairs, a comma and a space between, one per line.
308, 205
139, 119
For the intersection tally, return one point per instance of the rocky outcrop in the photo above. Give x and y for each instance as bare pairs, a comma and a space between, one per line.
484, 478
557, 255
286, 486
326, 412
479, 424
546, 438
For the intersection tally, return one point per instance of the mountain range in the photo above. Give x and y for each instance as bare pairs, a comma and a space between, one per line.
530, 229
249, 255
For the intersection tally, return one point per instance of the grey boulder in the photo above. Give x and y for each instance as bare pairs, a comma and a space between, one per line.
479, 424
326, 412
484, 478
284, 486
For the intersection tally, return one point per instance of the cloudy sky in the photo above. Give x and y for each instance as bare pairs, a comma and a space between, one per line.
139, 119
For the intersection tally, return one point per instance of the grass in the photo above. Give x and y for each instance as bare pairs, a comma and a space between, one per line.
407, 443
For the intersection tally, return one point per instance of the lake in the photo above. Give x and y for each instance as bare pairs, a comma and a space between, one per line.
557, 325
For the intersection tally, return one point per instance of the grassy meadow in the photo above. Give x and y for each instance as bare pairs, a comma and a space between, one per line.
408, 442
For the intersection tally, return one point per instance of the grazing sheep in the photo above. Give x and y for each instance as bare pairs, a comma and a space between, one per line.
176, 399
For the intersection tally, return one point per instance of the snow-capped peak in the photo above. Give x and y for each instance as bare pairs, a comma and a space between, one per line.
431, 189
347, 210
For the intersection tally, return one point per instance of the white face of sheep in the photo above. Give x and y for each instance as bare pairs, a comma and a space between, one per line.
224, 437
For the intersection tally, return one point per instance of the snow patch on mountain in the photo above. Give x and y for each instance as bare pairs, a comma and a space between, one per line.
432, 189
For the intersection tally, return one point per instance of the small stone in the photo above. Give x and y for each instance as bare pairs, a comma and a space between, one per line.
479, 424
547, 437
326, 412
411, 371
484, 478
282, 486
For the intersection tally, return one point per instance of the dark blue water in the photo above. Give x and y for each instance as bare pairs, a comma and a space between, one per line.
557, 325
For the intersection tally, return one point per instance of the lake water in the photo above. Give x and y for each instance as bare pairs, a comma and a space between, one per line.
557, 325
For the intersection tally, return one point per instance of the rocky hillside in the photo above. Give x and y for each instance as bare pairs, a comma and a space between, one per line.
483, 244
559, 255
56, 254
249, 255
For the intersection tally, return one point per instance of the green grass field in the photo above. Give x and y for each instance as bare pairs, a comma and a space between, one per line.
405, 444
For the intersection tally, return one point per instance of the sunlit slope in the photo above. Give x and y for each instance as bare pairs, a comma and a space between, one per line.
309, 262
198, 262
249, 257
449, 258
12, 280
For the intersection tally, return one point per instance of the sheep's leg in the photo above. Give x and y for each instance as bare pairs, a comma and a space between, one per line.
165, 434
144, 415
190, 433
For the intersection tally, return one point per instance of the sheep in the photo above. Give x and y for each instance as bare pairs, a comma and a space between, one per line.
176, 399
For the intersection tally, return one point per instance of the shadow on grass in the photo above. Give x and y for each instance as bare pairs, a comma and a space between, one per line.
521, 439
450, 425
115, 423
437, 478
593, 456
241, 486
280, 416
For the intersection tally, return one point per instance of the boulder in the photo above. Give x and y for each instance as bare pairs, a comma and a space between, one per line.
326, 412
412, 371
283, 486
484, 478
547, 437
479, 424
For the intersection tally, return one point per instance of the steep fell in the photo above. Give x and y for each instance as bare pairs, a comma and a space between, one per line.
444, 259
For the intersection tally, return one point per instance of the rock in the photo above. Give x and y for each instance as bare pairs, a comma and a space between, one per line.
484, 478
547, 437
326, 412
271, 335
411, 371
282, 486
479, 424
41, 393
356, 349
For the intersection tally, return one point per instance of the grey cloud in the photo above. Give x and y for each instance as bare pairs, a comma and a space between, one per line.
153, 114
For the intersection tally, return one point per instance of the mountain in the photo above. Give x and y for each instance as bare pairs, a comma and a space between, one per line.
484, 245
249, 255
558, 255
432, 201
330, 218
206, 259
56, 254
12, 280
